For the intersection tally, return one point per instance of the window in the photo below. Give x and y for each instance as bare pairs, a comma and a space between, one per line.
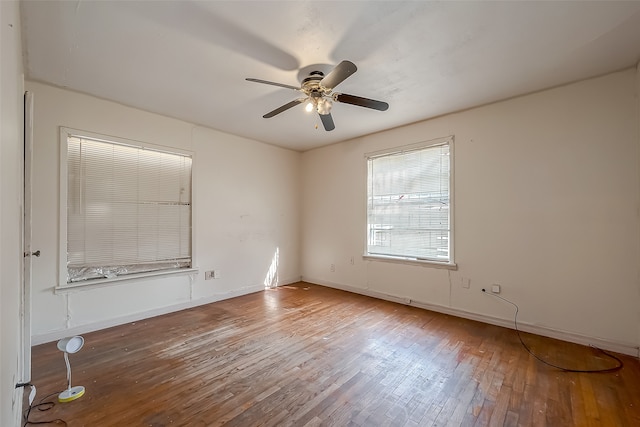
128, 209
409, 203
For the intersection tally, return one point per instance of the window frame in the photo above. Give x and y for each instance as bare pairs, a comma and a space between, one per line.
63, 285
450, 264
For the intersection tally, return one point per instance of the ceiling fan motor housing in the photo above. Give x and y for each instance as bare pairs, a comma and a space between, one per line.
311, 85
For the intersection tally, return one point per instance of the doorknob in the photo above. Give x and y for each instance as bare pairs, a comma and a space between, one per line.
36, 253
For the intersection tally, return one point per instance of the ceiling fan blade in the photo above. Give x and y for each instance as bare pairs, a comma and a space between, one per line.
361, 102
338, 74
285, 107
273, 83
327, 121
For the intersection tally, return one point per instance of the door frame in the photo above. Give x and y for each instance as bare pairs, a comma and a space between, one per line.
25, 308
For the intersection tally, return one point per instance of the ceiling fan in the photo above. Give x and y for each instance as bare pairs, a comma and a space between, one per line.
319, 95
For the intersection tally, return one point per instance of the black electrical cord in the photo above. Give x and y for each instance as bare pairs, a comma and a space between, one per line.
43, 406
618, 366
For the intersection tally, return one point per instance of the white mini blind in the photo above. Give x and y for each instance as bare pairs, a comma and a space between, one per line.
128, 209
408, 204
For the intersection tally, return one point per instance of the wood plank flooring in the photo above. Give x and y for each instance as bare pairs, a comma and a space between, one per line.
306, 355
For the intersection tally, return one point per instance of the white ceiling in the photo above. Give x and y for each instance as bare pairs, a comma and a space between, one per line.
189, 60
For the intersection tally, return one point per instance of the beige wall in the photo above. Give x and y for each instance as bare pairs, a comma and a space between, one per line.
245, 208
546, 205
11, 122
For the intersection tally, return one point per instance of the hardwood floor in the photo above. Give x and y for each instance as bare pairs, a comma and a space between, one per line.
305, 355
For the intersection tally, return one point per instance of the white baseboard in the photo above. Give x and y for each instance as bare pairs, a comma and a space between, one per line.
135, 317
618, 347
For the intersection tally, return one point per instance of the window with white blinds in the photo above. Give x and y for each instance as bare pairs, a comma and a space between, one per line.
128, 209
409, 202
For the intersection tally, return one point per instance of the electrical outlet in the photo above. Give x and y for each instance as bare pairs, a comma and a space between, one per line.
216, 274
495, 289
466, 282
333, 268
208, 275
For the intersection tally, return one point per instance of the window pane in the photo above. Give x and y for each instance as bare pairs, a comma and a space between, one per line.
408, 204
128, 209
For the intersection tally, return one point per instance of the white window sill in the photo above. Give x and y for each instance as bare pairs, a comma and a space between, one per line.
411, 261
99, 283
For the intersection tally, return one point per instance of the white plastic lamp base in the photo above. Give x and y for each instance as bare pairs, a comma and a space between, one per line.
71, 394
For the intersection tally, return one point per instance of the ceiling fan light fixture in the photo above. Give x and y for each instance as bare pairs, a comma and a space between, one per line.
309, 107
324, 106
